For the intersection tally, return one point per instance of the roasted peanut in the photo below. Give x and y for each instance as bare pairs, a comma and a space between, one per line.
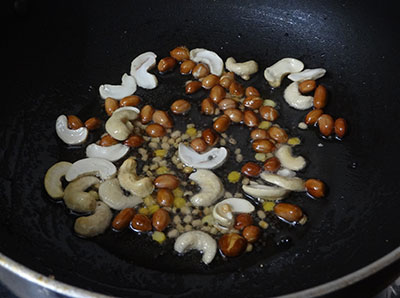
258, 134
272, 164
217, 93
146, 114
232, 244
131, 101
269, 113
110, 105
134, 141
236, 89
235, 115
165, 197
192, 87
251, 169
180, 106
160, 219
326, 124
227, 79
250, 118
74, 122
243, 220
312, 116
340, 127
180, 53
123, 218
155, 130
307, 86
289, 212
93, 123
252, 102
141, 223
227, 103
263, 146
168, 181
187, 67
209, 81
200, 71
166, 64
207, 107
107, 140
320, 97
315, 188
162, 118
222, 123
278, 134
251, 91
251, 233
210, 137
198, 145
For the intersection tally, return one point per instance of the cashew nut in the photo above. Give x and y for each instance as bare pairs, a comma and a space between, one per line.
213, 61
211, 188
265, 192
289, 183
284, 154
197, 240
70, 136
130, 181
307, 74
91, 166
223, 211
75, 196
110, 192
139, 69
295, 99
52, 179
111, 153
243, 69
95, 224
211, 159
275, 73
127, 87
119, 126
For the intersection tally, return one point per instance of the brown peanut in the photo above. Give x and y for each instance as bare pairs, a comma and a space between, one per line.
110, 105
320, 97
269, 113
289, 212
210, 137
232, 244
207, 107
251, 91
165, 197
258, 134
123, 218
166, 64
252, 102
340, 127
235, 115
250, 118
162, 118
146, 114
187, 67
155, 130
236, 89
93, 123
272, 164
227, 79
312, 116
209, 81
278, 134
217, 93
107, 140
243, 220
200, 71
198, 145
192, 87
134, 141
307, 86
130, 101
168, 181
326, 124
316, 188
251, 169
160, 219
180, 106
141, 223
263, 146
180, 53
222, 123
227, 103
74, 122
251, 233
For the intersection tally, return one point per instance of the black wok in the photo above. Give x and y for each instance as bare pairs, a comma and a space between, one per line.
57, 53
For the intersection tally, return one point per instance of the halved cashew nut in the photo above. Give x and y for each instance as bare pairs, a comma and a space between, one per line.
213, 61
289, 183
111, 153
211, 159
197, 240
139, 69
276, 72
285, 156
223, 211
91, 166
127, 87
77, 199
95, 224
295, 99
307, 74
243, 69
130, 181
265, 192
70, 136
211, 188
119, 125
110, 192
52, 179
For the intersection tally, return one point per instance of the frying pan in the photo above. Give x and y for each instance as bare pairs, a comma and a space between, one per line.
58, 53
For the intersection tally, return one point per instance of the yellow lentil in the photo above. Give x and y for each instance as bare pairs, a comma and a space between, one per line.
191, 131
148, 201
268, 206
294, 141
178, 192
158, 236
153, 209
143, 211
160, 152
162, 170
179, 202
233, 176
264, 124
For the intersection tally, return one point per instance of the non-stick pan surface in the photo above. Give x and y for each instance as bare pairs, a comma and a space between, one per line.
58, 53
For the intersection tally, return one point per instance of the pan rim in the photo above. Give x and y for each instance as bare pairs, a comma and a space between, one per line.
326, 288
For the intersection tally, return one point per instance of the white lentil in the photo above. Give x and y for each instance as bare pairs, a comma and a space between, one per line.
239, 158
261, 214
187, 219
173, 233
